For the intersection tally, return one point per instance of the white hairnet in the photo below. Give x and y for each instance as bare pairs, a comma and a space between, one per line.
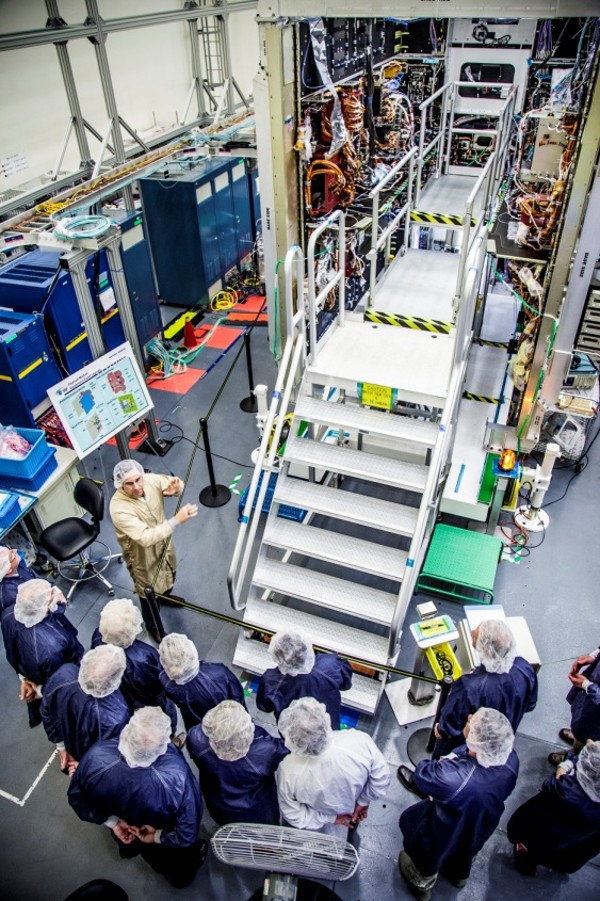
179, 657
490, 737
292, 652
229, 729
101, 670
145, 737
31, 605
120, 622
4, 561
125, 468
496, 646
306, 727
587, 770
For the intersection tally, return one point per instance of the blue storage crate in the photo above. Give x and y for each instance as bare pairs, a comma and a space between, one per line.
27, 466
9, 509
33, 482
285, 510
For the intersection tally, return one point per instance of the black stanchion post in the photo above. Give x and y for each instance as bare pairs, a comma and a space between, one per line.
249, 404
421, 743
213, 495
155, 612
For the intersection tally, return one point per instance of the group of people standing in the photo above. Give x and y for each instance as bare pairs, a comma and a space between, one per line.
113, 714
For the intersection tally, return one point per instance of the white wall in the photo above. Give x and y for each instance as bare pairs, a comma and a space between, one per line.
151, 74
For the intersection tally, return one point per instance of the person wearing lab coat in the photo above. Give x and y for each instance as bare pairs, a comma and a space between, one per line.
463, 800
330, 777
236, 761
299, 673
141, 787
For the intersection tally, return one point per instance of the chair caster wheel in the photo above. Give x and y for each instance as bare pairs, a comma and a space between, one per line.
119, 559
111, 594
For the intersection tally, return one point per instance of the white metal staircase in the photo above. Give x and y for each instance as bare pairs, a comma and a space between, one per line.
357, 488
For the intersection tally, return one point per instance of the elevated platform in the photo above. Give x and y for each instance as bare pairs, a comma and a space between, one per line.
421, 283
448, 195
416, 363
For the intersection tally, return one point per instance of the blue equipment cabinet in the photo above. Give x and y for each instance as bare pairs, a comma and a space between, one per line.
35, 283
27, 367
137, 267
197, 221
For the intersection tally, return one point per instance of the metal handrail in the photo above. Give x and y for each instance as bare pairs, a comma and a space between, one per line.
338, 279
439, 138
295, 348
417, 544
378, 240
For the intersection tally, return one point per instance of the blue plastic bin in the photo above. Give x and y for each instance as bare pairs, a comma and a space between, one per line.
46, 466
29, 465
9, 510
285, 510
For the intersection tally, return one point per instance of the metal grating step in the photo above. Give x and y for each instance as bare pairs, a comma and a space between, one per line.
324, 633
353, 416
355, 553
326, 591
253, 656
368, 511
397, 473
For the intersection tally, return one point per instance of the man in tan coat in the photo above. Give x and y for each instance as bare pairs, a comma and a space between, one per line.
137, 511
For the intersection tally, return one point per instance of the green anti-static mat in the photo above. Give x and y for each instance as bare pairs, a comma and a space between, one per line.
461, 564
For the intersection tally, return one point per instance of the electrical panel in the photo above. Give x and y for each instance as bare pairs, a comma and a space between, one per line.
27, 367
199, 222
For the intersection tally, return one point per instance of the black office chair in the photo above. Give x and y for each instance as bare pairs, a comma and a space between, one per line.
71, 537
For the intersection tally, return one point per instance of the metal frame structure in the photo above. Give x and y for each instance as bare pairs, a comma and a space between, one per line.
97, 30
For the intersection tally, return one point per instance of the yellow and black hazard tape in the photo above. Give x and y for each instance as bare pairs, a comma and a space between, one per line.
423, 325
484, 343
439, 219
482, 398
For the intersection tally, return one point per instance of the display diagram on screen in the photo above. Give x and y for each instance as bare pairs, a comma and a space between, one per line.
101, 399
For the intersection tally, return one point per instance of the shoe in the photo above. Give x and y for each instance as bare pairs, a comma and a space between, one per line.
407, 871
457, 883
522, 859
566, 735
405, 777
557, 757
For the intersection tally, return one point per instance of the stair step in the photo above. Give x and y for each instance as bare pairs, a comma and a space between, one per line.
386, 471
364, 693
353, 416
368, 511
326, 591
324, 633
325, 544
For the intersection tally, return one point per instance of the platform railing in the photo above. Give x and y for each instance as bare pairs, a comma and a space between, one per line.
337, 221
292, 359
428, 508
426, 109
378, 241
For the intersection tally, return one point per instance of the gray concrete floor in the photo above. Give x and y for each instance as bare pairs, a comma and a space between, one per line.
46, 852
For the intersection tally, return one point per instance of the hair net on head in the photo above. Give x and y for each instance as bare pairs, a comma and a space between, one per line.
179, 657
292, 652
229, 729
145, 737
490, 737
587, 770
31, 605
124, 468
120, 622
306, 727
4, 561
101, 670
496, 646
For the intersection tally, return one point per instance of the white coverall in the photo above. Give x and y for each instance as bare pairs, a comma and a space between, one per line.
314, 790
